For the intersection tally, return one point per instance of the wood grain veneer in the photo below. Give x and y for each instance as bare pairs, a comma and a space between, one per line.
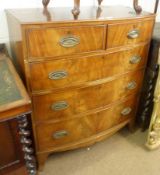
118, 33
85, 126
81, 100
84, 60
86, 69
47, 40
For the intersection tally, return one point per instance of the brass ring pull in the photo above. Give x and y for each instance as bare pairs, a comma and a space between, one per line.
135, 59
126, 111
133, 34
69, 41
131, 85
60, 134
58, 75
61, 105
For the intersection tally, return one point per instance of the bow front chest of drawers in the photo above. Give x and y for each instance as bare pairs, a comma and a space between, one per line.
84, 75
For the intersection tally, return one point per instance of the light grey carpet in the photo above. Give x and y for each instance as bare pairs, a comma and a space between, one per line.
121, 154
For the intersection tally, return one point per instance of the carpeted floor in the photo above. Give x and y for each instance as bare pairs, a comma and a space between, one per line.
122, 154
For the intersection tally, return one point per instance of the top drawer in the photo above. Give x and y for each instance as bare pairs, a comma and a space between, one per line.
122, 34
52, 42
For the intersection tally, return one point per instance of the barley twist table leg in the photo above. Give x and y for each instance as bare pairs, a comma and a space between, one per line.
153, 140
26, 144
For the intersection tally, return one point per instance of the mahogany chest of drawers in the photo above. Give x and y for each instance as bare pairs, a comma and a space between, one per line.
84, 75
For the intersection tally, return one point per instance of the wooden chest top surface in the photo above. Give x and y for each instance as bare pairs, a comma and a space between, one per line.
64, 14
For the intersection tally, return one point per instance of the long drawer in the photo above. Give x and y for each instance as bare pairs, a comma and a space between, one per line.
70, 72
51, 135
53, 42
66, 104
130, 33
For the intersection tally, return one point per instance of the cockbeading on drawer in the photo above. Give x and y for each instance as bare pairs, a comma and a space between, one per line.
61, 41
52, 135
71, 102
70, 72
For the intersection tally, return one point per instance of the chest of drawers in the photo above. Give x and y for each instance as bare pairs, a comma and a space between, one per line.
84, 76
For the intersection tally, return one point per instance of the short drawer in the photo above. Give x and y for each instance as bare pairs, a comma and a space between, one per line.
67, 132
53, 42
71, 72
67, 104
129, 33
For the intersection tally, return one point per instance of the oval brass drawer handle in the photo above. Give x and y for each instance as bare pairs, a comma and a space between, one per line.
61, 105
69, 41
58, 75
60, 134
131, 85
135, 59
133, 34
126, 111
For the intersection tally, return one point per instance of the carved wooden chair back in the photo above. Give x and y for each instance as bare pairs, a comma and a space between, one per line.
76, 8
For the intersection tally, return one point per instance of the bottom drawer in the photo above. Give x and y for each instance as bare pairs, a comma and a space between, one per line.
58, 134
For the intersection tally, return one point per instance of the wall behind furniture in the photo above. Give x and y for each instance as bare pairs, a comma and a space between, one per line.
6, 4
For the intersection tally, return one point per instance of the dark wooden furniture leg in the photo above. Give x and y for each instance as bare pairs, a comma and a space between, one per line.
45, 2
76, 9
146, 101
156, 6
26, 144
137, 8
47, 13
148, 97
99, 2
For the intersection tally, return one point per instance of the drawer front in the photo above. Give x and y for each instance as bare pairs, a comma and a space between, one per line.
117, 114
66, 132
57, 106
129, 33
61, 133
52, 42
72, 72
